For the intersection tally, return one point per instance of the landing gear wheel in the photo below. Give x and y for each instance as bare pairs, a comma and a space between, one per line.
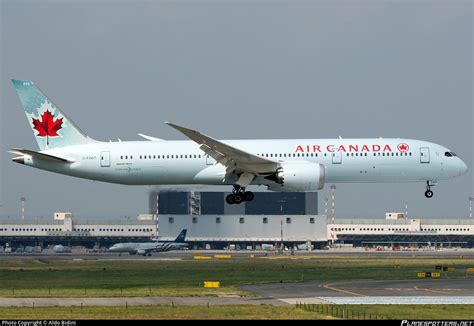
248, 196
428, 192
238, 198
230, 199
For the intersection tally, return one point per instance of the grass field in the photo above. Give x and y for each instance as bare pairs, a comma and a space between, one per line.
94, 278
423, 312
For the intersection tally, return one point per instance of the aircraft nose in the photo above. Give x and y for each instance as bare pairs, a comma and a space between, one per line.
462, 168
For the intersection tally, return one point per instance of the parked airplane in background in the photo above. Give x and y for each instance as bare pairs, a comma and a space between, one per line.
146, 248
281, 165
61, 249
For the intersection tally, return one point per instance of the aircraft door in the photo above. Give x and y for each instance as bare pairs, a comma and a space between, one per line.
424, 155
104, 159
337, 158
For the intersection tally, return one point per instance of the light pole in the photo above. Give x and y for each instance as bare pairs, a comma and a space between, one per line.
281, 201
470, 206
22, 200
326, 209
333, 190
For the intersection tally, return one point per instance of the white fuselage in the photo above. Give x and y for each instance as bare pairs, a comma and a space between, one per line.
142, 248
183, 162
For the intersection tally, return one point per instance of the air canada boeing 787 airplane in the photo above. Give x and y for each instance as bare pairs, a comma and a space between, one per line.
279, 164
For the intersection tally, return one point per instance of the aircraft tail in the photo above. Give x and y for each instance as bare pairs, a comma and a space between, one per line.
181, 237
50, 126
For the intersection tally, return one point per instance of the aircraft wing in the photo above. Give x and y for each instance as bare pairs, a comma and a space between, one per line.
234, 159
150, 138
145, 248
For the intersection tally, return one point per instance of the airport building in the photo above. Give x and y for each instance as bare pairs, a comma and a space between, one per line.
65, 229
270, 219
397, 231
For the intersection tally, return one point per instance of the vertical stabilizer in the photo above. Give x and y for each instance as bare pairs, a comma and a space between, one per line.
50, 126
181, 237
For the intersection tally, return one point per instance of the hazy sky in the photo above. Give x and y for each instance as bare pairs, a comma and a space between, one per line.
240, 69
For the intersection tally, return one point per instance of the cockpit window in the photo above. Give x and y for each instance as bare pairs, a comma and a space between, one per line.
453, 154
448, 154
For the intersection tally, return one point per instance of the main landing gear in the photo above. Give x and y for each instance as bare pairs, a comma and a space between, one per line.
428, 192
239, 195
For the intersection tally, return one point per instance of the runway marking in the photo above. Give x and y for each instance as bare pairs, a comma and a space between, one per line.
330, 287
429, 290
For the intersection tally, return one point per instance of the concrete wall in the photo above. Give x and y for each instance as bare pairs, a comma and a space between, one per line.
251, 228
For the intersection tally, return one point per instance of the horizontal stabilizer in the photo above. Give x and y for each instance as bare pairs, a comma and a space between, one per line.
42, 156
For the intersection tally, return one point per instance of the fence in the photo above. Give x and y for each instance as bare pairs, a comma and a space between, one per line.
339, 311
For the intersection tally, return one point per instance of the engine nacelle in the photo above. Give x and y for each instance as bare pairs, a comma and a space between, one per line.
298, 176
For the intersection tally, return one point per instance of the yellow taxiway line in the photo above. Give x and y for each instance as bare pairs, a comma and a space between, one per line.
330, 287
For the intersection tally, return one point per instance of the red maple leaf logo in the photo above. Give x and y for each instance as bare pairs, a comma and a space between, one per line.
48, 126
403, 147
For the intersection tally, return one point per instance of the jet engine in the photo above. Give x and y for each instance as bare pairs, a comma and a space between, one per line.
297, 176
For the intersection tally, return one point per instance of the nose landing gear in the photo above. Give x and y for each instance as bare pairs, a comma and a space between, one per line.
428, 192
239, 195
